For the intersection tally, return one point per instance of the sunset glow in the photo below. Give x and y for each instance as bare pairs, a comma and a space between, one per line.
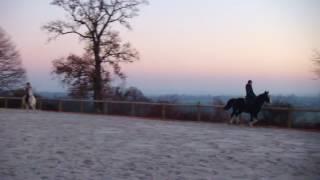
189, 47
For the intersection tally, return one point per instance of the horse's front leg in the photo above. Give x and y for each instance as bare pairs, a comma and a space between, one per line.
253, 119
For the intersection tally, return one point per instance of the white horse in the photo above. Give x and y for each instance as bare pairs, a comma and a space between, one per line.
32, 101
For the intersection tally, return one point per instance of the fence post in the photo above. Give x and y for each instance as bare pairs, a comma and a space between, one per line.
40, 104
132, 109
5, 103
163, 111
106, 107
198, 112
81, 106
60, 106
290, 118
22, 105
102, 107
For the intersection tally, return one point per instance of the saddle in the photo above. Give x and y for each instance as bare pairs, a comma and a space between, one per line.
249, 101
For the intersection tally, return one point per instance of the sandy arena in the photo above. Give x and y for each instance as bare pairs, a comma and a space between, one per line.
48, 145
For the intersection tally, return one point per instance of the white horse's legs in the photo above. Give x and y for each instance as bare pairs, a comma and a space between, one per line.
33, 106
26, 107
31, 103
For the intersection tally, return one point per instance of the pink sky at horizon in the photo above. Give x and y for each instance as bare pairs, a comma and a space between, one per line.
210, 47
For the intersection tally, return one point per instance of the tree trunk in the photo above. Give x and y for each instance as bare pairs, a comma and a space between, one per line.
97, 85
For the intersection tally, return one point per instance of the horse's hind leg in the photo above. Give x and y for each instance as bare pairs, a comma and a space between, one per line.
236, 113
34, 107
233, 114
238, 118
27, 107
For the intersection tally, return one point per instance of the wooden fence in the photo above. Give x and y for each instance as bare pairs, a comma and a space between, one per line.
61, 106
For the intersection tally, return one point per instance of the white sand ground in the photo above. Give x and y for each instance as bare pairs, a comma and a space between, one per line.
48, 145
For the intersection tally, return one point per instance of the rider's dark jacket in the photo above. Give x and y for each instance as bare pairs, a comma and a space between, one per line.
250, 94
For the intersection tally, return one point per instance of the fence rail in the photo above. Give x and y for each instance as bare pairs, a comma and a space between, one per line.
132, 107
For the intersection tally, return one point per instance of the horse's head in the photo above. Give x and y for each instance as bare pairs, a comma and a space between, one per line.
266, 97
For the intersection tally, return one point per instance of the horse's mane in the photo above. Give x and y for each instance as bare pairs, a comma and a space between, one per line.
261, 95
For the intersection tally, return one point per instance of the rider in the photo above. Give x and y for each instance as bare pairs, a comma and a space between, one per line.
28, 92
250, 94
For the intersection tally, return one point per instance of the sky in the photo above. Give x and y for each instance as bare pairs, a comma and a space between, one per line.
199, 47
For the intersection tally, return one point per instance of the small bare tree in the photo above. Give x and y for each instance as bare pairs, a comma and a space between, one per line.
12, 74
93, 21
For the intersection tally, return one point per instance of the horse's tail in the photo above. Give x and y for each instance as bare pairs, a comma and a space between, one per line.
229, 104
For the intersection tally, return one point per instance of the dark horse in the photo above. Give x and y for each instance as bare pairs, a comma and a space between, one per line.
240, 105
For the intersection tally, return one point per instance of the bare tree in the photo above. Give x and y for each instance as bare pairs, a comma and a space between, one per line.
12, 74
316, 60
78, 74
93, 22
